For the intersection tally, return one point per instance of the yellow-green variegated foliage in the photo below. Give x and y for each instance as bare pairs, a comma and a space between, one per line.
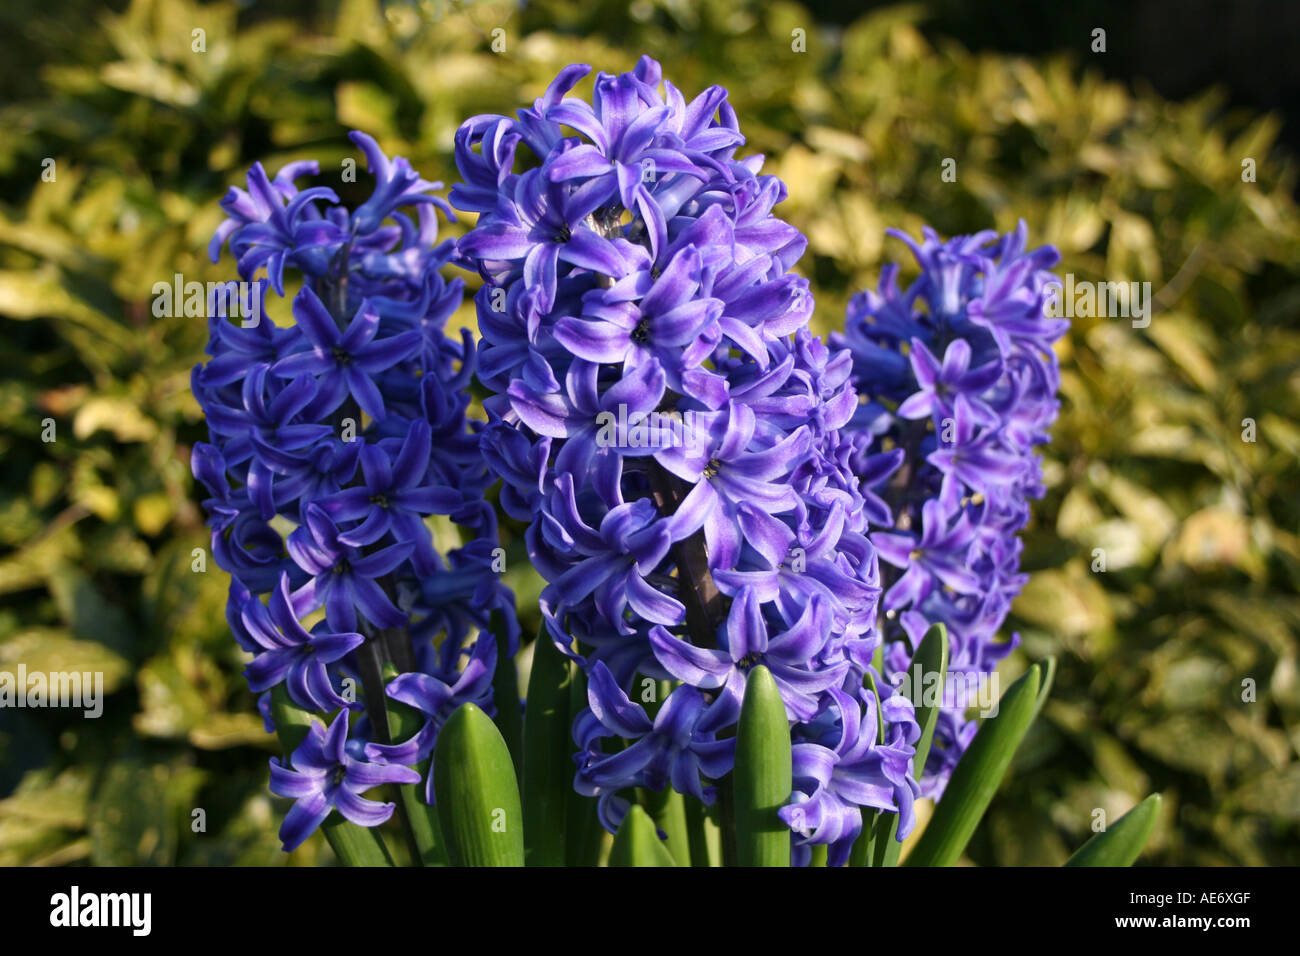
1173, 467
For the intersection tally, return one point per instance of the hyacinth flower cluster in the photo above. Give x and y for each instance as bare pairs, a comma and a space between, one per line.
958, 380
748, 536
332, 440
675, 438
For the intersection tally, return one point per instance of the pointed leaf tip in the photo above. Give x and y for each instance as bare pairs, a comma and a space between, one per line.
763, 776
637, 843
477, 793
1121, 843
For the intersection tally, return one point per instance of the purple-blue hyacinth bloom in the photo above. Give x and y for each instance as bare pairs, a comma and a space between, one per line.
323, 775
344, 577
343, 363
678, 746
349, 427
849, 768
959, 380
670, 430
273, 224
394, 497
287, 652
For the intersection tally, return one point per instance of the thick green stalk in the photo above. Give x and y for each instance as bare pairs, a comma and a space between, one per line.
864, 848
477, 794
762, 779
637, 843
727, 821
697, 828
978, 775
354, 845
1122, 843
547, 754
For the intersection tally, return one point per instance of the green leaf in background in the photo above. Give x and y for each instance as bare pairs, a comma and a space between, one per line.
763, 775
930, 658
978, 775
134, 810
1121, 843
637, 843
477, 793
547, 767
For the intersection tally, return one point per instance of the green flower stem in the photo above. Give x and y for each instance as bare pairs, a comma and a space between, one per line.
727, 821
354, 845
698, 827
864, 848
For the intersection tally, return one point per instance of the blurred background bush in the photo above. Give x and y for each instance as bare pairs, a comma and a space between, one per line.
1149, 463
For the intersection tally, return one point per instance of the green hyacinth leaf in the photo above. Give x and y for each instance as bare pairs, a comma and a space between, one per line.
477, 793
667, 808
1122, 843
931, 658
505, 693
1045, 683
978, 775
548, 764
637, 843
763, 776
584, 837
353, 845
